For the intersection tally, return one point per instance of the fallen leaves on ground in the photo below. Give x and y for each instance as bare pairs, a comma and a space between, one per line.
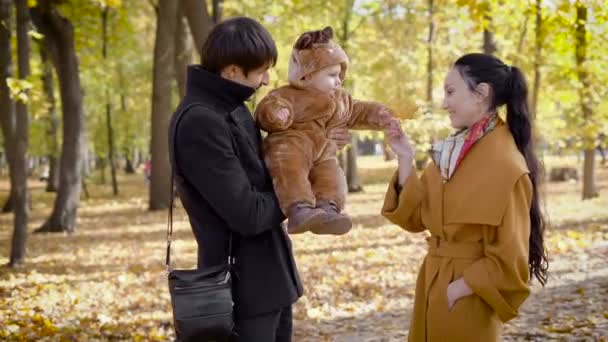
107, 282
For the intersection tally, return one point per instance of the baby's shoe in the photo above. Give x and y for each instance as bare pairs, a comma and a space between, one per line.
335, 223
303, 217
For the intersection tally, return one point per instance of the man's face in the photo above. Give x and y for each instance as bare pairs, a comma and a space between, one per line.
255, 79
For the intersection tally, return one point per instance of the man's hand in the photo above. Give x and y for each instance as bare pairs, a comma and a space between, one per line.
341, 136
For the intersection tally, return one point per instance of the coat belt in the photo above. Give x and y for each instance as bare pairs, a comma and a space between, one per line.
453, 249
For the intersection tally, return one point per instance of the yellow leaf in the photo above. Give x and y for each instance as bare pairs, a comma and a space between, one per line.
35, 34
560, 330
13, 328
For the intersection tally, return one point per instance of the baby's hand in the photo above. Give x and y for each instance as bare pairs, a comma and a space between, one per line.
386, 118
282, 114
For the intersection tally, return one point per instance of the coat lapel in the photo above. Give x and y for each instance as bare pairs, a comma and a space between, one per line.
479, 191
238, 117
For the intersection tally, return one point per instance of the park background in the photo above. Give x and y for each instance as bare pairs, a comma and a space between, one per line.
86, 91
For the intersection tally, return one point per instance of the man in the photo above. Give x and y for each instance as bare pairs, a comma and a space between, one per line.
224, 184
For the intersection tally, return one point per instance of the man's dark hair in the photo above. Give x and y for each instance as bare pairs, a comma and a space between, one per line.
240, 41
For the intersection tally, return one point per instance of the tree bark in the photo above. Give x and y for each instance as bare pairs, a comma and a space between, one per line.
538, 44
216, 11
352, 171
104, 20
589, 186
59, 41
7, 105
388, 153
164, 55
350, 163
489, 44
52, 130
429, 82
20, 143
183, 50
129, 167
199, 21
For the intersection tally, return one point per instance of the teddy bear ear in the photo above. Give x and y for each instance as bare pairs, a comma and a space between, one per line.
328, 32
305, 41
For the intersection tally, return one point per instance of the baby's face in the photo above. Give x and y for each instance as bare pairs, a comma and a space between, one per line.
326, 80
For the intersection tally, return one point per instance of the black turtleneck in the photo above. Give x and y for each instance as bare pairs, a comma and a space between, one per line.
213, 87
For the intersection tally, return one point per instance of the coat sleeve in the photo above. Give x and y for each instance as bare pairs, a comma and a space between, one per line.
403, 207
368, 115
207, 160
500, 277
265, 113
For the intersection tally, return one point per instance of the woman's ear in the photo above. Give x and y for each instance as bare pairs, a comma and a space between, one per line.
482, 92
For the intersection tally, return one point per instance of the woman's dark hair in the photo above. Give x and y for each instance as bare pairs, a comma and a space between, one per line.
307, 39
509, 88
240, 41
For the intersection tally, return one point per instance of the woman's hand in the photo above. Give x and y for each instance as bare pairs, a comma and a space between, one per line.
341, 136
399, 141
456, 290
400, 144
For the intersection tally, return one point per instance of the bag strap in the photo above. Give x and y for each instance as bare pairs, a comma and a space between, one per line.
172, 157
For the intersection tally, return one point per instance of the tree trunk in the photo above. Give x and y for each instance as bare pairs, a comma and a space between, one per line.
183, 50
352, 171
388, 153
161, 103
350, 163
52, 130
129, 167
7, 105
9, 204
100, 164
20, 142
489, 44
199, 21
537, 57
589, 187
59, 40
217, 11
104, 20
429, 83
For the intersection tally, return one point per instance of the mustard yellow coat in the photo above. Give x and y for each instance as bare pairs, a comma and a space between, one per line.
480, 227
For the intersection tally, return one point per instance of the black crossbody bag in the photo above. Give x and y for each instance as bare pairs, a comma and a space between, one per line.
201, 298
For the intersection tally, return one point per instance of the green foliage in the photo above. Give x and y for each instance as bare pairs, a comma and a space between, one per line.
387, 43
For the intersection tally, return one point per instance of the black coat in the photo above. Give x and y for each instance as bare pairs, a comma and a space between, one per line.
225, 187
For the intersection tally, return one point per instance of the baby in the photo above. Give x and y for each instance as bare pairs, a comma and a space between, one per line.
309, 183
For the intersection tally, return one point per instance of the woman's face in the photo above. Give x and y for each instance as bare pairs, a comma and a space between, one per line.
464, 106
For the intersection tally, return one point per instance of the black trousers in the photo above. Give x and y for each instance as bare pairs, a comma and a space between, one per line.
276, 326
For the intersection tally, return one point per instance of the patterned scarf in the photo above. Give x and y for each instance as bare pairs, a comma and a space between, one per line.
447, 154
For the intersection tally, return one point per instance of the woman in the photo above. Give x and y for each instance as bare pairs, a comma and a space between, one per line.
479, 200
